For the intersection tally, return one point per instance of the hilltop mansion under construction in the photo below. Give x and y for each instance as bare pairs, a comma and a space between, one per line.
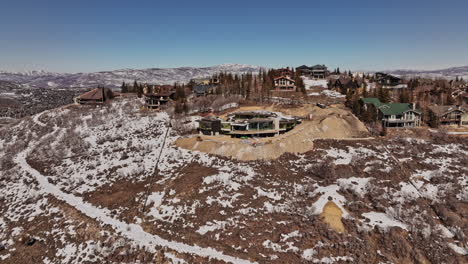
248, 124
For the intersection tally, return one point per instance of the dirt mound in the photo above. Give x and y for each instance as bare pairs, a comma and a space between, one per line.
332, 122
331, 215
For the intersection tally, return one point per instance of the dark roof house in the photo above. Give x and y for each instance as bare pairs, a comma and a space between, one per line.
96, 96
448, 115
317, 71
202, 90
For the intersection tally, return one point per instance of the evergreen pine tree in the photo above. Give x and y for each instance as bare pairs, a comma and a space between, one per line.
135, 87
123, 88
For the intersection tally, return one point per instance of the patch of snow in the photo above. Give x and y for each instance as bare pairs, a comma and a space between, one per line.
457, 249
383, 220
357, 185
330, 260
211, 226
270, 194
309, 253
326, 192
309, 83
332, 94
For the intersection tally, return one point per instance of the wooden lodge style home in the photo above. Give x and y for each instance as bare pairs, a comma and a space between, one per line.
347, 85
248, 124
317, 72
443, 115
285, 83
96, 96
394, 114
157, 96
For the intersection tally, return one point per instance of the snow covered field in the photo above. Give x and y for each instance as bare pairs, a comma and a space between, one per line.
309, 83
76, 180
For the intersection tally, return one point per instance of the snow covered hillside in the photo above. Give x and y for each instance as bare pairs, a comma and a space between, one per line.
448, 73
114, 79
81, 185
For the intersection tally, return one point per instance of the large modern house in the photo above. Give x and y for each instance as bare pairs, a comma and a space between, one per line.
248, 124
394, 114
448, 115
285, 83
316, 72
388, 81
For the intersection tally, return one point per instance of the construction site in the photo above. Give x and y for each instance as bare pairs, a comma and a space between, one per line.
266, 132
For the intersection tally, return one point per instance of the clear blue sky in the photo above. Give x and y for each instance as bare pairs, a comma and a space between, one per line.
85, 36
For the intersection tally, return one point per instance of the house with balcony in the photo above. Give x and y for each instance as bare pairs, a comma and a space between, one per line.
394, 114
249, 124
317, 72
285, 83
158, 100
446, 115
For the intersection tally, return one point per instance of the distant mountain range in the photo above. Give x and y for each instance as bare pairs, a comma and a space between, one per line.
114, 79
449, 73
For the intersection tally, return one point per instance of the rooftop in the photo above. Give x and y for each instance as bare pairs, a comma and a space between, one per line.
95, 94
442, 109
389, 108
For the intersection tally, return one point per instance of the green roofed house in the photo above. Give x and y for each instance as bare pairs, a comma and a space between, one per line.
395, 114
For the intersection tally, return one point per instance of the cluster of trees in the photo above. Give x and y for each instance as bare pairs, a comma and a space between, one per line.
135, 88
439, 92
181, 104
251, 86
338, 72
233, 84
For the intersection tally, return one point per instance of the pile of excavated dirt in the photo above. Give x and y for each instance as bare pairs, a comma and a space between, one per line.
334, 122
331, 215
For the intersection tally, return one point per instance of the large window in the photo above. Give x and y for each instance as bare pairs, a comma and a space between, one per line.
261, 125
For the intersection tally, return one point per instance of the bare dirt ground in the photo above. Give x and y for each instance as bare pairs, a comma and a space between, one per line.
332, 122
72, 183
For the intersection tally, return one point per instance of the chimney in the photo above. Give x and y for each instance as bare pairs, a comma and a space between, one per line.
414, 106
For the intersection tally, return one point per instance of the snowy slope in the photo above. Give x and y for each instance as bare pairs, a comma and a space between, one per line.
113, 79
448, 73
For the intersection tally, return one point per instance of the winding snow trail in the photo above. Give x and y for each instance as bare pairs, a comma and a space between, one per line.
131, 231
